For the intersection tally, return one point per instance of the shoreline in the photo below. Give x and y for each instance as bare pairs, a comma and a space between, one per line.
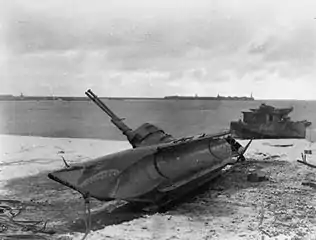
230, 209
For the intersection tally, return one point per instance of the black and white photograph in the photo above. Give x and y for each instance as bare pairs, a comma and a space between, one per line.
157, 119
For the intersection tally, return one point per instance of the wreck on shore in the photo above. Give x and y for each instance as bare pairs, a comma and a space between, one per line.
268, 122
157, 170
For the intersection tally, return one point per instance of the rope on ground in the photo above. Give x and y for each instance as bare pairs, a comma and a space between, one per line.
87, 211
10, 209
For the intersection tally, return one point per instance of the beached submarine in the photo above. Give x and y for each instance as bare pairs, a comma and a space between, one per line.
157, 169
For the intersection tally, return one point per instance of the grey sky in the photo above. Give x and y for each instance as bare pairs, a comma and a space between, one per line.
157, 48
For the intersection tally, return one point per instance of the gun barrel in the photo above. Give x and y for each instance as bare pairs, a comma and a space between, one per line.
100, 104
114, 118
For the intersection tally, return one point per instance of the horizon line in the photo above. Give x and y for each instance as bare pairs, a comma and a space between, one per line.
170, 97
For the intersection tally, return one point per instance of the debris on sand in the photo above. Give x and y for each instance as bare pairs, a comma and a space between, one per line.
257, 176
282, 145
11, 227
310, 184
230, 208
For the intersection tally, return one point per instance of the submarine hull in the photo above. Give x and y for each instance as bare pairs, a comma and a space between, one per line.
150, 175
161, 200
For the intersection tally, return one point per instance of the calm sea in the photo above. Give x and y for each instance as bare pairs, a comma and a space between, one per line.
179, 118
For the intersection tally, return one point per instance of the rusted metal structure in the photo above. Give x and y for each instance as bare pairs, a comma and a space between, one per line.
156, 170
268, 122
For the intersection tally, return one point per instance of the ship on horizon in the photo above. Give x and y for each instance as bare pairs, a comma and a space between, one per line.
218, 97
21, 97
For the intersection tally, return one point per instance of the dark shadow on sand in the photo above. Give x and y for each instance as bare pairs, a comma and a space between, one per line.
65, 207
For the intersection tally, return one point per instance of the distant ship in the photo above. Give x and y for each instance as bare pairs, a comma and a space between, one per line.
176, 97
64, 98
268, 122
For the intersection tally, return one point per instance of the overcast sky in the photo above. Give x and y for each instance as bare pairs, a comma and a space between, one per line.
158, 48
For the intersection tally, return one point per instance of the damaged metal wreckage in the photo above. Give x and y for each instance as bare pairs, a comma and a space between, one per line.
304, 155
10, 211
304, 158
157, 170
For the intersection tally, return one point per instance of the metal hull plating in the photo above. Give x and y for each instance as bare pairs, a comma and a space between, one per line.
268, 122
158, 168
268, 131
147, 174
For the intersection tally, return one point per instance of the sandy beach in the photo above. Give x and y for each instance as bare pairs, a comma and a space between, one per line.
230, 208
80, 78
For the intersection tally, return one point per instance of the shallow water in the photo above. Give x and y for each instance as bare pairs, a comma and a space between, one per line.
179, 118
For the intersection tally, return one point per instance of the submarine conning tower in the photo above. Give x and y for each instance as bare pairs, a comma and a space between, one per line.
149, 134
146, 134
